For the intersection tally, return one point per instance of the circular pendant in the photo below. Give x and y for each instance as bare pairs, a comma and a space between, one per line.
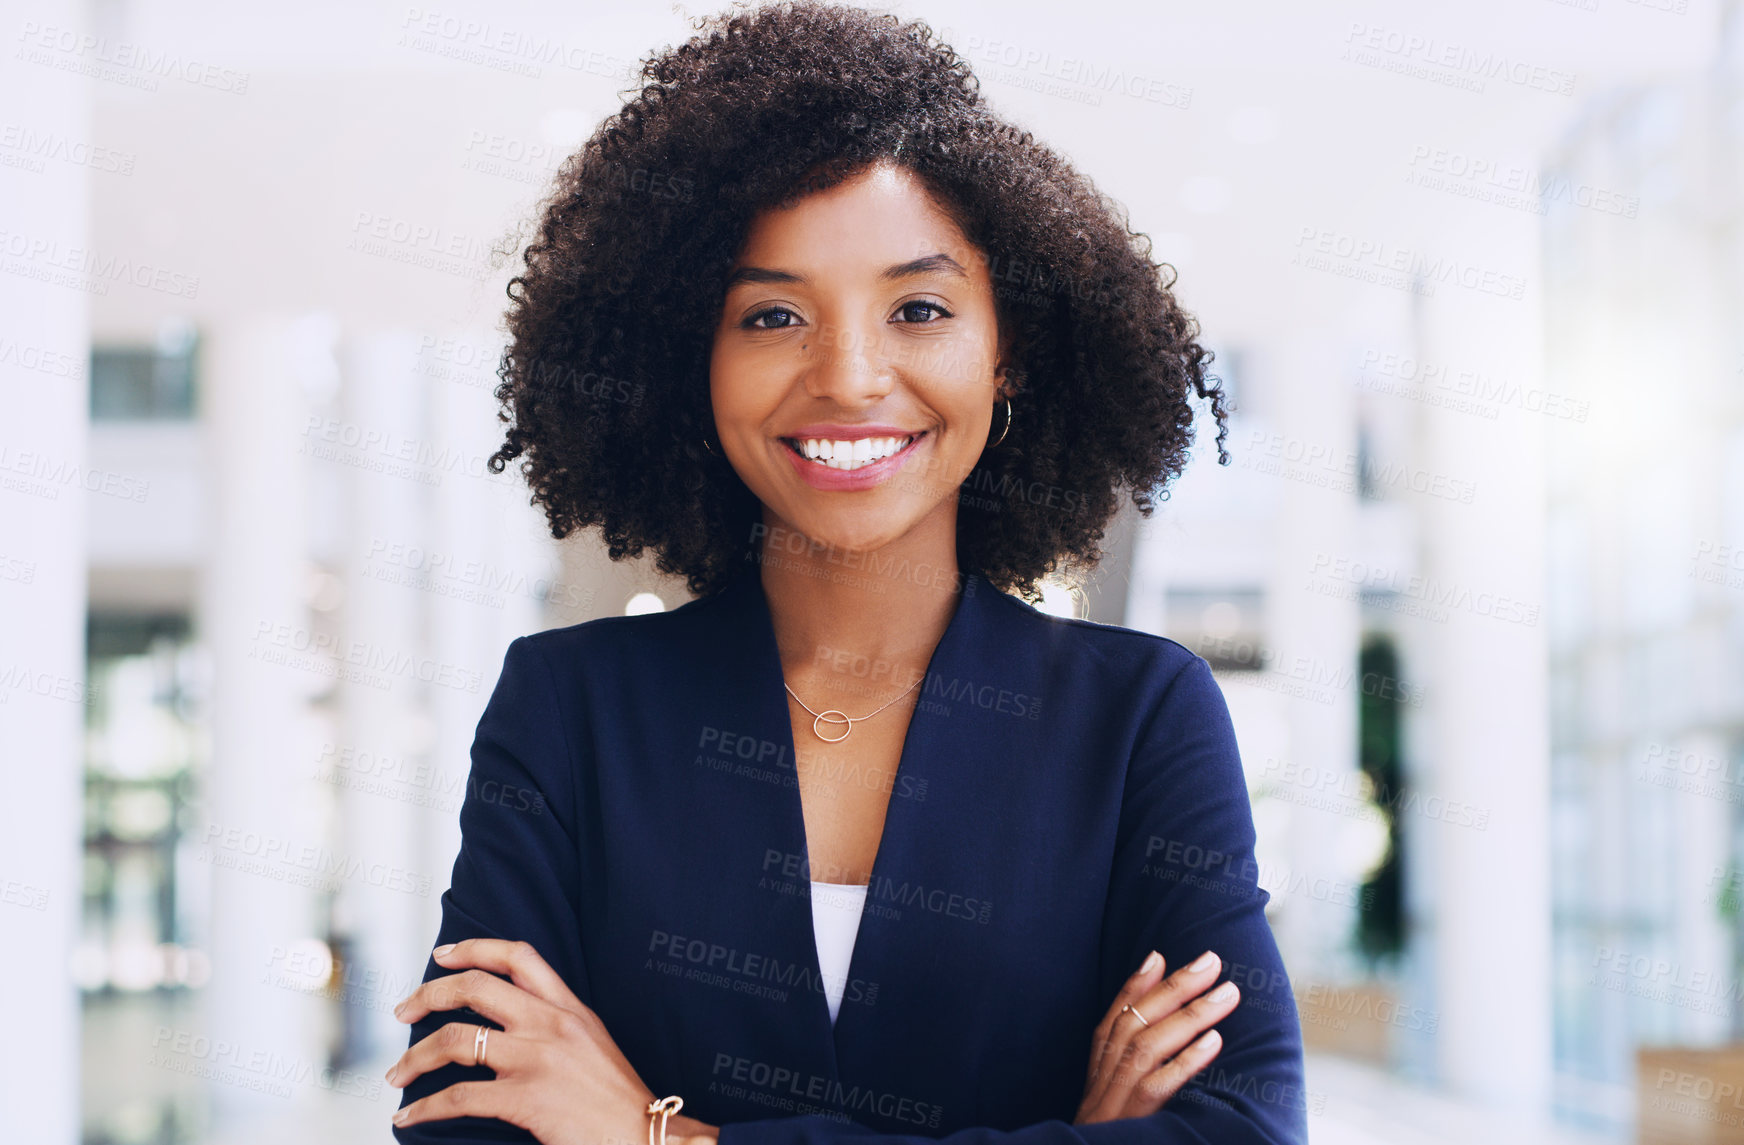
840, 718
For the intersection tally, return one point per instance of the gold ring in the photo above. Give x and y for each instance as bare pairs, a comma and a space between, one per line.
478, 1045
1127, 1009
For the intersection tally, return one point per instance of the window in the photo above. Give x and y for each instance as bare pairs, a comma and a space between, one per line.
141, 744
145, 382
1225, 625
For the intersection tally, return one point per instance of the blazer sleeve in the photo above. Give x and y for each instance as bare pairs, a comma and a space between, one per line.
1183, 881
516, 873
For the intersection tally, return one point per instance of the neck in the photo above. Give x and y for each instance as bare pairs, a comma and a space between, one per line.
860, 624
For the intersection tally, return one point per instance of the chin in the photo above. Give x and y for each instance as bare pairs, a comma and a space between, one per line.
850, 536
853, 540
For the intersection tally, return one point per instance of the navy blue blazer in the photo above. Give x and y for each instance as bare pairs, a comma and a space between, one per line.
1069, 796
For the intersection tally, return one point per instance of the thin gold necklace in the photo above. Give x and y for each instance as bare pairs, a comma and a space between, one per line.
832, 716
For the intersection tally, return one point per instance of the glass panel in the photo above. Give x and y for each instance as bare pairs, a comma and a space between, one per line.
145, 382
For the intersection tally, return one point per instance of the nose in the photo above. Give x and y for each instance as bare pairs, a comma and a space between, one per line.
848, 363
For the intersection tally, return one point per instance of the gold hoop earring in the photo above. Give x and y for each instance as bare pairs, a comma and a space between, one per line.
709, 448
1006, 429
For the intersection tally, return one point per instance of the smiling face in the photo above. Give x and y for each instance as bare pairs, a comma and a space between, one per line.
855, 365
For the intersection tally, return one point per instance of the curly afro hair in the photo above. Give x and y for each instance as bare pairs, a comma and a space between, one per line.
605, 375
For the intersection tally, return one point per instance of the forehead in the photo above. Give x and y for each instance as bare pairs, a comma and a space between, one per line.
880, 216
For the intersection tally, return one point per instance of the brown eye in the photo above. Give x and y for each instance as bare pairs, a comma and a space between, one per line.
911, 309
786, 317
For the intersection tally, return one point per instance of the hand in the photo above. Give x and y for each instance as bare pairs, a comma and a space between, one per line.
559, 1074
1135, 1068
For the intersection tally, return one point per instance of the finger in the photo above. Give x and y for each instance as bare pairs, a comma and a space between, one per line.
1175, 991
1156, 1001
1166, 1080
1157, 1043
464, 1099
1170, 1035
1102, 1037
1130, 991
502, 1002
521, 961
1113, 1071
458, 1042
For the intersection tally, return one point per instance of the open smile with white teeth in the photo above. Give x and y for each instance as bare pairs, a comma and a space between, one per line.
856, 454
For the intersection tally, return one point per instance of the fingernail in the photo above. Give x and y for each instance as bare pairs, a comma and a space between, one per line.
400, 1007
392, 1070
399, 1117
443, 949
1224, 992
1204, 962
1152, 960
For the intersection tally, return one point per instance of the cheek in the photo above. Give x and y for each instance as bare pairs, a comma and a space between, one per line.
964, 402
963, 380
732, 388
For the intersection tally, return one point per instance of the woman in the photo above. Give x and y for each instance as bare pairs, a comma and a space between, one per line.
856, 844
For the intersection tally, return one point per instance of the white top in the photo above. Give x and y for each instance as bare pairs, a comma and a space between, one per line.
835, 916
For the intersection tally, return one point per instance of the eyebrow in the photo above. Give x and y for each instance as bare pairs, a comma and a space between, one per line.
926, 264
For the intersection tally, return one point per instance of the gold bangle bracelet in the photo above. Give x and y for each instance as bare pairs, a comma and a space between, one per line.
663, 1107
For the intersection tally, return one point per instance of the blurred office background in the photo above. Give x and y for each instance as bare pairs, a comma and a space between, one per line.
1473, 581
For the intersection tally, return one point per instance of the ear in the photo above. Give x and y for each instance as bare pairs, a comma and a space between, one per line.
1004, 368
